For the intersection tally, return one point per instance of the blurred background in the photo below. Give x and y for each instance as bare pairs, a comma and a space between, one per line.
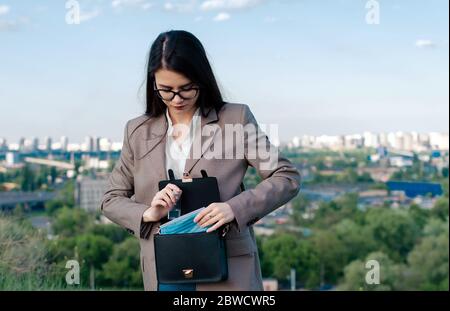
358, 88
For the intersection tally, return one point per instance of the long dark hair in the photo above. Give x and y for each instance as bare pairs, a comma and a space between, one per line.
182, 52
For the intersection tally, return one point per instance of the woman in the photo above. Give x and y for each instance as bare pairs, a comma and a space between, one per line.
183, 102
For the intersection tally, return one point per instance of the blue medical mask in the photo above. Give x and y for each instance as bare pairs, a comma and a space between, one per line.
183, 224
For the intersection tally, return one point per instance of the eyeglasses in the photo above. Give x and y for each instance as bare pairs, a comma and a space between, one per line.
189, 93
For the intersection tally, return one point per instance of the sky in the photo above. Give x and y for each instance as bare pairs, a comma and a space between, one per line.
312, 67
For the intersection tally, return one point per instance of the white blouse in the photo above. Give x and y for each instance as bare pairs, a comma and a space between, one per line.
177, 153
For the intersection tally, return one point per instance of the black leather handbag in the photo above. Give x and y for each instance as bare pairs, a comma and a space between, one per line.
192, 257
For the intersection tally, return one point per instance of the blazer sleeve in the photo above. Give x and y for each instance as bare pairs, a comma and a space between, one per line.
281, 180
117, 204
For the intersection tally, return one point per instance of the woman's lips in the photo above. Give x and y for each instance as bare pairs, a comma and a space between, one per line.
179, 107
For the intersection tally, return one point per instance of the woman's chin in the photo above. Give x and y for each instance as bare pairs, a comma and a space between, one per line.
181, 108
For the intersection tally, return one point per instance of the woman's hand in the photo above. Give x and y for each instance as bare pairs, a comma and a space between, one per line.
216, 214
162, 203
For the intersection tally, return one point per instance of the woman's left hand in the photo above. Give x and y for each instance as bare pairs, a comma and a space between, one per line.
217, 214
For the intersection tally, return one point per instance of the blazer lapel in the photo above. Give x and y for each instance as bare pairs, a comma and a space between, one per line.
201, 146
154, 141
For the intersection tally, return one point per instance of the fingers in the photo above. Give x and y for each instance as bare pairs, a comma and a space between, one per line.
165, 197
170, 196
173, 192
199, 218
160, 203
216, 226
211, 220
173, 188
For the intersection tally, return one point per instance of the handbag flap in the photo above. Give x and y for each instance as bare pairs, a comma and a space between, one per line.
190, 258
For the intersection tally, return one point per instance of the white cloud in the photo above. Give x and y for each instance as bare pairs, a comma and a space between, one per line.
223, 16
11, 24
14, 24
7, 25
4, 9
168, 6
180, 6
209, 5
147, 6
142, 4
425, 43
88, 15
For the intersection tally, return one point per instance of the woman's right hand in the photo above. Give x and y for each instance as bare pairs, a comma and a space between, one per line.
162, 203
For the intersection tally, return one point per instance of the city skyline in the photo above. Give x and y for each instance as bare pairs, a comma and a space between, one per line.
313, 68
400, 140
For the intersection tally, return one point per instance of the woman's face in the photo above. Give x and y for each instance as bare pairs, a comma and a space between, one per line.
173, 81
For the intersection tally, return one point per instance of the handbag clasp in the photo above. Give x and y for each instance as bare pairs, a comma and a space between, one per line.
188, 273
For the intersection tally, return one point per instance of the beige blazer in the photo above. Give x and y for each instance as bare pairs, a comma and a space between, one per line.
134, 182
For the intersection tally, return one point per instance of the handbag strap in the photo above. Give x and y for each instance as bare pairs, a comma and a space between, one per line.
171, 174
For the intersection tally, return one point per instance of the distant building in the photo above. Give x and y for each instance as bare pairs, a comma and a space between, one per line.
96, 144
370, 140
413, 189
439, 141
34, 144
22, 144
47, 143
3, 144
89, 143
12, 158
400, 161
64, 143
89, 193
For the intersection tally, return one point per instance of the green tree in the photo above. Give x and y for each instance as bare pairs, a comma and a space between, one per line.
112, 232
330, 255
420, 215
390, 274
357, 240
394, 231
93, 252
281, 251
300, 205
23, 261
331, 213
428, 261
123, 267
440, 208
71, 222
285, 251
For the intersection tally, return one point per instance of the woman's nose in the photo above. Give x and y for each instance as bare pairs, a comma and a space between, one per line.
177, 99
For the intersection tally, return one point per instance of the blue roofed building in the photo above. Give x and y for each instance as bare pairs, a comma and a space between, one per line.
413, 189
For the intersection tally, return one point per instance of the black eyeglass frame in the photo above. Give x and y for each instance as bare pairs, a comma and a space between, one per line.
196, 88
